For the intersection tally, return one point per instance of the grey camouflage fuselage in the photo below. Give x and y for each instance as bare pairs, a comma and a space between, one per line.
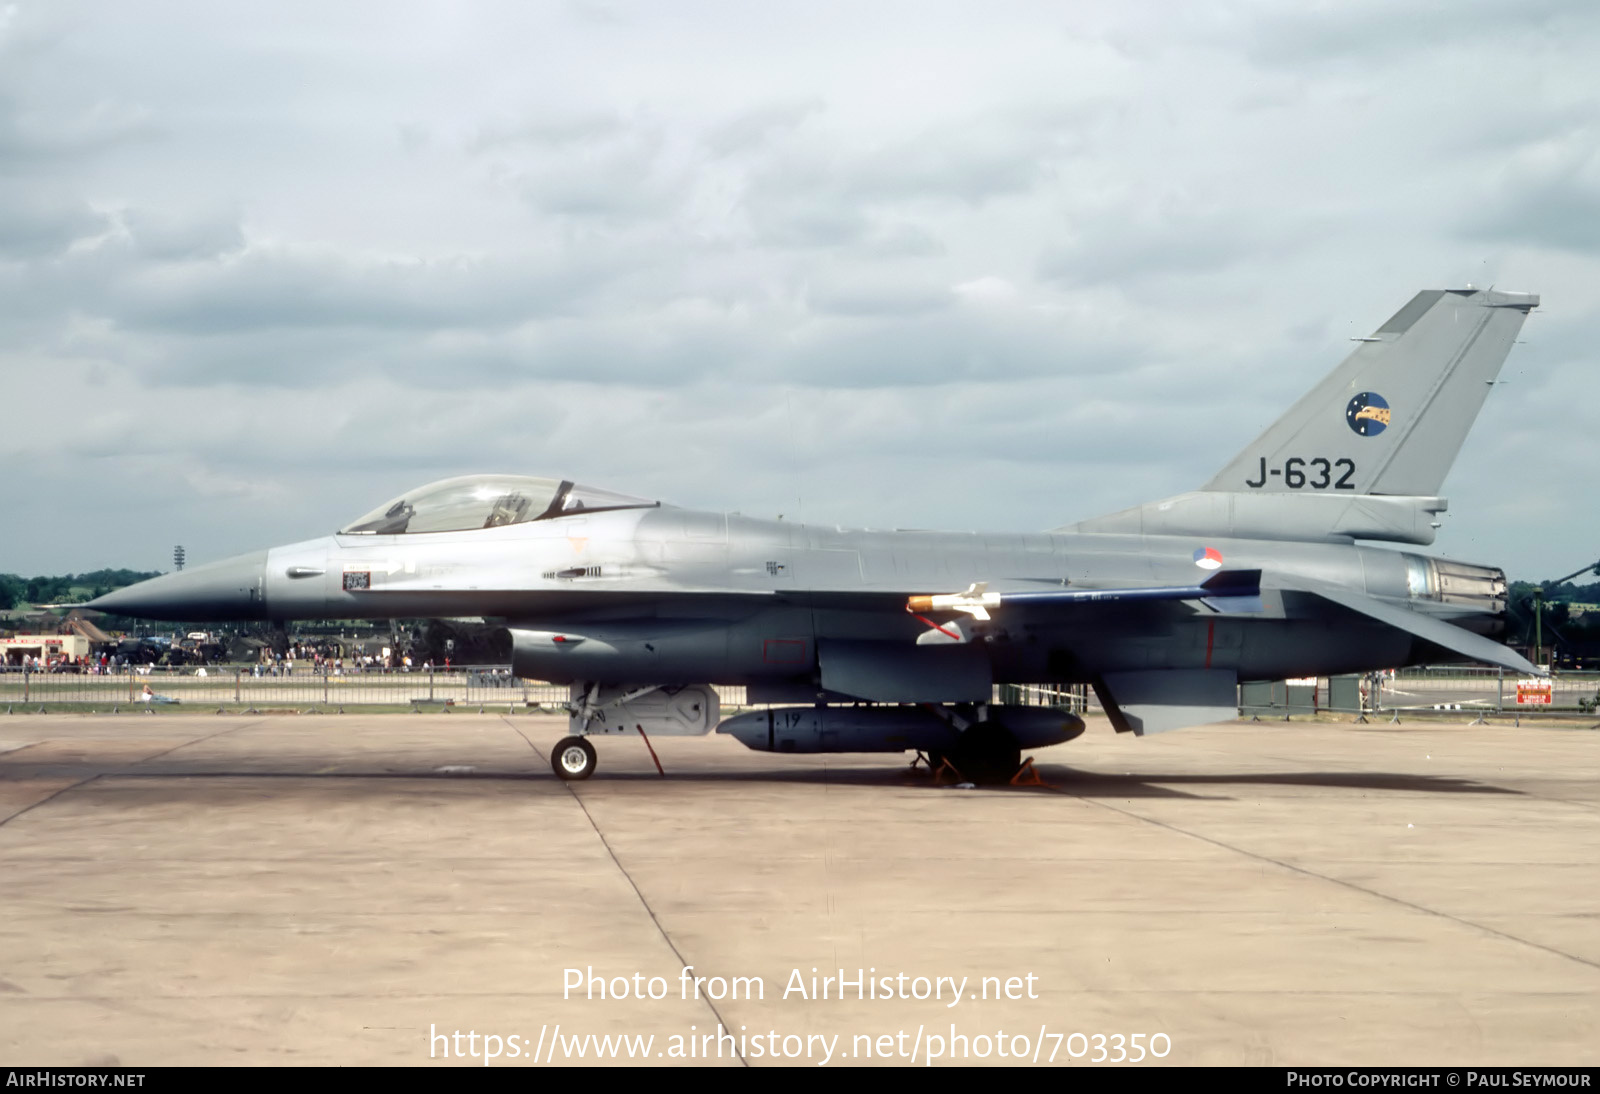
644, 595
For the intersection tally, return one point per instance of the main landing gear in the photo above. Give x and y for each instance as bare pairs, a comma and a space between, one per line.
573, 759
985, 750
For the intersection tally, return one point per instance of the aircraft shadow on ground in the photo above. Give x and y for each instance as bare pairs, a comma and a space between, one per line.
1060, 779
1097, 784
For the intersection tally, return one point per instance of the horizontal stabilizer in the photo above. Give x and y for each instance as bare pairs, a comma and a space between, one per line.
1426, 627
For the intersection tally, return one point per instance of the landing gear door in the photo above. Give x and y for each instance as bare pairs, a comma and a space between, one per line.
691, 711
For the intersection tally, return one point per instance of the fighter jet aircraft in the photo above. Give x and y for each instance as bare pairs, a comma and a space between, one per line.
863, 641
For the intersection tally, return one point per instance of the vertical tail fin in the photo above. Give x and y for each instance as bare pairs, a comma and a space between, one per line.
1390, 419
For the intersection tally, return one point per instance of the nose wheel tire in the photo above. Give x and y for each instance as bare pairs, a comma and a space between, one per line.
573, 759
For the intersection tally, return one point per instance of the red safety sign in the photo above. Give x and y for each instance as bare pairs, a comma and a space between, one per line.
1533, 693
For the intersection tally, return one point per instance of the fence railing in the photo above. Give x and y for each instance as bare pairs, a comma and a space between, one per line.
1468, 690
240, 686
1453, 688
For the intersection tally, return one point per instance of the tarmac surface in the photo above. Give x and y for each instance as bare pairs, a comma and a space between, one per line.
288, 889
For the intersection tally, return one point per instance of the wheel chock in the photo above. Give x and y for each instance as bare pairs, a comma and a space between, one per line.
945, 766
1027, 775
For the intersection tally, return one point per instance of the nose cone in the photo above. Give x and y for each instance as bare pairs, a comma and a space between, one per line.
217, 592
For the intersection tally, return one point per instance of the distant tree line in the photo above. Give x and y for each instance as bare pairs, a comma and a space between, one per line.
1556, 618
66, 588
1556, 614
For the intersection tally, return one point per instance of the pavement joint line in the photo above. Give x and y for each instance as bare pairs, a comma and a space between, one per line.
103, 774
186, 744
651, 912
47, 799
1334, 880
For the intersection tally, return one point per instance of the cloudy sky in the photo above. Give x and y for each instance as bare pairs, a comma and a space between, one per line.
996, 266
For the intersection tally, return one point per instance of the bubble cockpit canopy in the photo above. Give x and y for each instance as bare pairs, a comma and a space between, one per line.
486, 501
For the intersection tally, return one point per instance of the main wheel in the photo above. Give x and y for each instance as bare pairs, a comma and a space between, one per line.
987, 753
573, 759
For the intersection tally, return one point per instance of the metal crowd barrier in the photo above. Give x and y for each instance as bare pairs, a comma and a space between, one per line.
1466, 690
241, 686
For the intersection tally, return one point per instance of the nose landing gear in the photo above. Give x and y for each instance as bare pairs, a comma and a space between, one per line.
573, 759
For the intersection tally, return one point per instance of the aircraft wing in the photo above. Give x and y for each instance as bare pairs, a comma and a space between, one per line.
1426, 627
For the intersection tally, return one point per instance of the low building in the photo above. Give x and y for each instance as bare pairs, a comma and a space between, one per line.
46, 647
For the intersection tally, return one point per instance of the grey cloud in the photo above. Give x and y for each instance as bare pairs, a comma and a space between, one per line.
902, 240
264, 288
36, 223
1549, 196
821, 195
619, 184
590, 166
31, 141
41, 137
595, 12
186, 236
39, 134
970, 166
947, 346
549, 129
968, 160
1137, 238
890, 293
756, 127
806, 220
1374, 31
